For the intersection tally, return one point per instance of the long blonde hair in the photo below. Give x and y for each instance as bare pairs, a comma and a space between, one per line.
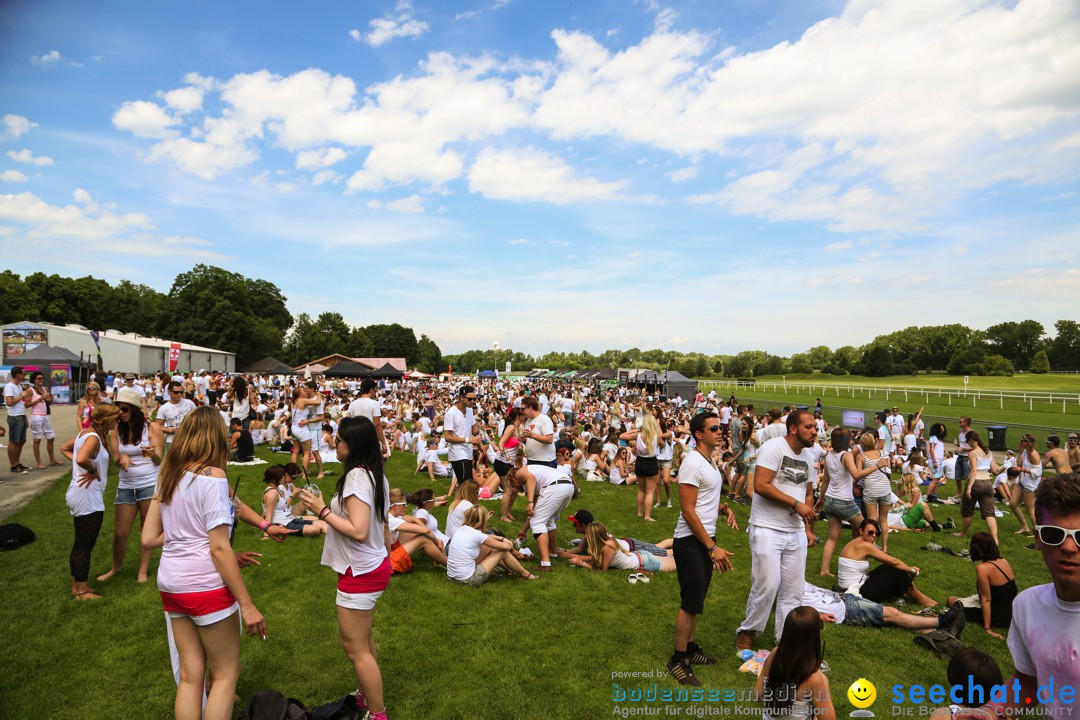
467, 490
909, 485
596, 535
650, 433
477, 517
103, 418
200, 441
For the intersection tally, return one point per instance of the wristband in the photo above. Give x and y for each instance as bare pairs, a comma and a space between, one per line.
793, 506
265, 524
714, 546
324, 512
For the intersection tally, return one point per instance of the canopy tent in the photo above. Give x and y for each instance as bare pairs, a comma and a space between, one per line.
350, 368
269, 366
387, 371
675, 383
487, 374
44, 355
416, 374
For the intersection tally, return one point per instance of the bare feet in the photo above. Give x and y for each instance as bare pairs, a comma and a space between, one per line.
107, 576
40, 467
649, 519
56, 462
826, 573
87, 595
141, 578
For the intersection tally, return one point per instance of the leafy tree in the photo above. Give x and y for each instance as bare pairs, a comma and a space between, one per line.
907, 367
968, 361
769, 365
1040, 364
1018, 341
800, 363
833, 369
217, 308
17, 300
428, 356
845, 357
393, 340
1065, 347
359, 344
877, 361
996, 365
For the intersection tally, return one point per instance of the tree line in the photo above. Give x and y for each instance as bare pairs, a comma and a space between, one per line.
211, 307
956, 349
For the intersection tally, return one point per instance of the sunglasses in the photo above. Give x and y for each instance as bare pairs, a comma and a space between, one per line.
871, 533
1053, 535
713, 428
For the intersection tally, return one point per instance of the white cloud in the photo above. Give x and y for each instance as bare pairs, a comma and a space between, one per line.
407, 205
203, 159
47, 60
684, 174
184, 100
145, 119
15, 126
635, 254
531, 174
521, 241
397, 24
27, 157
12, 176
315, 159
839, 245
324, 176
960, 250
466, 15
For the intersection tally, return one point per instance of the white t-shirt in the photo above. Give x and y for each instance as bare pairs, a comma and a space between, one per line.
816, 453
534, 449
825, 601
432, 456
393, 522
341, 552
792, 473
456, 517
1043, 639
463, 551
19, 408
700, 472
172, 414
568, 405
543, 400
366, 407
896, 424
142, 393
886, 438
769, 432
949, 467
199, 504
725, 415
460, 424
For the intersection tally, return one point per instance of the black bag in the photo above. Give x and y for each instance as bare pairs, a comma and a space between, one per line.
272, 705
939, 642
343, 709
13, 536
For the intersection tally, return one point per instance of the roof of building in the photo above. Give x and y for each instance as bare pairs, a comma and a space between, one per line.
117, 336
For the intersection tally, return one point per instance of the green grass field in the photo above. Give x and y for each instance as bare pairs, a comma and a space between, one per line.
544, 649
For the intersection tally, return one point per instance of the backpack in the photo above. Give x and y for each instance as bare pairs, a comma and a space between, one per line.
343, 709
13, 536
939, 642
272, 705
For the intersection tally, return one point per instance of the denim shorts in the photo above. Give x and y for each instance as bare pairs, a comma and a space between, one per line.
134, 496
297, 525
840, 509
862, 612
649, 562
16, 428
644, 547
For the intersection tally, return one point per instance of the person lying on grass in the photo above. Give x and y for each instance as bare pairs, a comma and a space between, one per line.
854, 610
276, 500
474, 554
891, 579
581, 520
409, 535
604, 552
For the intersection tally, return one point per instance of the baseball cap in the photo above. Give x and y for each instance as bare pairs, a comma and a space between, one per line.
1074, 436
582, 517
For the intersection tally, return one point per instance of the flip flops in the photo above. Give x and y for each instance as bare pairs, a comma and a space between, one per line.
638, 578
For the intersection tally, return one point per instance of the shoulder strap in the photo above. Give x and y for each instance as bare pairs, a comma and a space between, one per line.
1000, 570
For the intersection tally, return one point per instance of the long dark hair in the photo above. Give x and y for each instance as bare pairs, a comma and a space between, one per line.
797, 657
360, 437
239, 388
130, 432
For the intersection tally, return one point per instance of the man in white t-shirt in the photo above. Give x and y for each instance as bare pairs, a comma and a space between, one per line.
129, 382
173, 412
568, 410
774, 428
1045, 631
15, 397
430, 462
367, 406
457, 431
779, 520
539, 434
548, 491
885, 443
696, 551
896, 427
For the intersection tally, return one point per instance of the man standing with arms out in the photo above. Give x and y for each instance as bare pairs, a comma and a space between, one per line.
1045, 631
1055, 456
15, 398
538, 433
367, 406
779, 517
696, 552
457, 431
173, 412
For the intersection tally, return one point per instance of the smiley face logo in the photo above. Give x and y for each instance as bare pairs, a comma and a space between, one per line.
862, 693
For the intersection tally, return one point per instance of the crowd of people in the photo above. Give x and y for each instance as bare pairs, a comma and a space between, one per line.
172, 438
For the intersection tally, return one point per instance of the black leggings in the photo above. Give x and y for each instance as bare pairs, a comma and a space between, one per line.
87, 528
885, 583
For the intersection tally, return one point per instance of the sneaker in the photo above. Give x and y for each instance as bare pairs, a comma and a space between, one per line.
744, 639
669, 503
743, 500
683, 673
697, 656
20, 470
953, 620
932, 499
949, 524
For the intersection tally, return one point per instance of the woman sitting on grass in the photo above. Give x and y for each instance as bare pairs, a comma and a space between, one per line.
995, 584
424, 500
889, 580
791, 683
276, 500
605, 552
466, 496
594, 466
915, 513
619, 474
474, 554
408, 535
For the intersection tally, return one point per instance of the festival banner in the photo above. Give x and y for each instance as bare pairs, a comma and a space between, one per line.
60, 384
20, 339
97, 342
174, 356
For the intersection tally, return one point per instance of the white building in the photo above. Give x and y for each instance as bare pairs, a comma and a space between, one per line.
121, 352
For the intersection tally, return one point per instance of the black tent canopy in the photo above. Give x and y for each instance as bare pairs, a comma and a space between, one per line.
387, 371
45, 355
349, 368
269, 366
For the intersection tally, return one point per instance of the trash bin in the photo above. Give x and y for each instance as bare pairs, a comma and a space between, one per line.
996, 435
802, 407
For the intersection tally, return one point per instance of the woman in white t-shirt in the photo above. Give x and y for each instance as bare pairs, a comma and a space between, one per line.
408, 535
357, 547
89, 455
473, 554
425, 500
466, 496
199, 576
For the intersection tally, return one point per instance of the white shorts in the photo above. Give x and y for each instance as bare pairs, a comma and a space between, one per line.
40, 427
552, 501
316, 441
1030, 483
300, 434
357, 601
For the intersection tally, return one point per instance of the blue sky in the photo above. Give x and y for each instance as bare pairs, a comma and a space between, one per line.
704, 175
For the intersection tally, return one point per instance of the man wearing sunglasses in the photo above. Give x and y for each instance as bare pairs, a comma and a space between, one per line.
173, 412
457, 431
1045, 633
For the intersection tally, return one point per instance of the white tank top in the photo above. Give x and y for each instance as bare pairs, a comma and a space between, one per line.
142, 472
281, 515
624, 560
300, 414
851, 572
641, 450
840, 479
86, 500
